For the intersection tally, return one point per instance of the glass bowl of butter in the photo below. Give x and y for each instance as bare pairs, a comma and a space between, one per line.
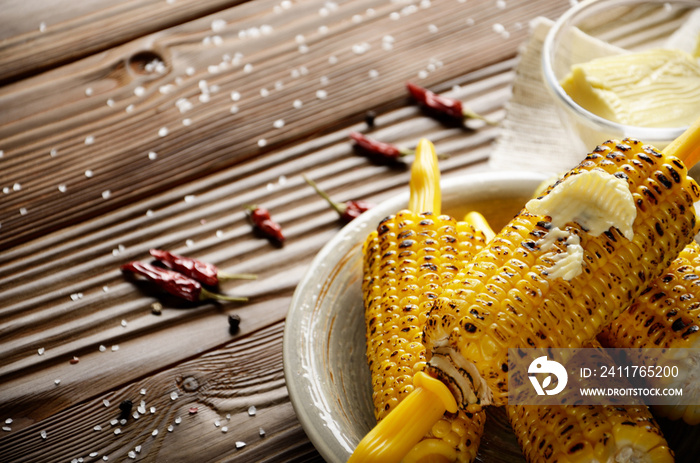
625, 68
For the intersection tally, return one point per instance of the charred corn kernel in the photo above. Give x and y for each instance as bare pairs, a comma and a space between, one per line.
588, 433
555, 277
407, 261
582, 433
666, 315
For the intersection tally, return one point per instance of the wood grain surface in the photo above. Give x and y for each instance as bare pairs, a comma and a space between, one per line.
137, 124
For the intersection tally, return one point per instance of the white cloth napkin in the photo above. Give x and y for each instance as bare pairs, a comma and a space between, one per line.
532, 135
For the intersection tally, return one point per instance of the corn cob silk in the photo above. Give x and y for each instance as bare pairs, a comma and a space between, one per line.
407, 262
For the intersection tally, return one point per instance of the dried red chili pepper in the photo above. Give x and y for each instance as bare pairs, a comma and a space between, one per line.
384, 150
264, 224
204, 272
176, 283
348, 210
443, 105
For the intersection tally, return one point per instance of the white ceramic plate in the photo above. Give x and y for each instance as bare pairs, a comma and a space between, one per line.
324, 340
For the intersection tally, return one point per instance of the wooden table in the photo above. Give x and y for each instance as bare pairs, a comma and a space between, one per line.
135, 124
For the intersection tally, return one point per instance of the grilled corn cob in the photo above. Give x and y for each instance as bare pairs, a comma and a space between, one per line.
588, 433
406, 263
580, 433
666, 315
524, 279
557, 274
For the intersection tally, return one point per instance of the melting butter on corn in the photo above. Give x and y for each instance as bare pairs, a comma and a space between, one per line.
654, 88
594, 199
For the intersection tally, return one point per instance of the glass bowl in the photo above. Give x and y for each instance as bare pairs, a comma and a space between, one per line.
596, 28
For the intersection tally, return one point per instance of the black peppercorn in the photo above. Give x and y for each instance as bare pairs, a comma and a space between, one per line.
233, 323
125, 408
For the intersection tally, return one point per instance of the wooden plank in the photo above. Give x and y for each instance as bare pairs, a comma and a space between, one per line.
64, 294
221, 385
37, 35
93, 123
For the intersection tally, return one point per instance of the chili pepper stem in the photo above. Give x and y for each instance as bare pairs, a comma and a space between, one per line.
338, 207
236, 276
205, 294
471, 114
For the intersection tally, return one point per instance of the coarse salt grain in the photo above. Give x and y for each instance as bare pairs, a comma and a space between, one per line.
117, 431
297, 104
262, 142
131, 454
41, 351
139, 91
217, 423
154, 433
252, 410
89, 140
123, 323
187, 122
62, 188
16, 187
235, 96
97, 428
240, 444
6, 428
248, 68
218, 25
43, 435
171, 428
224, 429
234, 109
261, 432
130, 108
178, 420
163, 131
278, 124
173, 395
8, 421
106, 194
102, 348
22, 211
89, 173
57, 382
115, 348
321, 94
152, 155
264, 92
152, 410
88, 91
